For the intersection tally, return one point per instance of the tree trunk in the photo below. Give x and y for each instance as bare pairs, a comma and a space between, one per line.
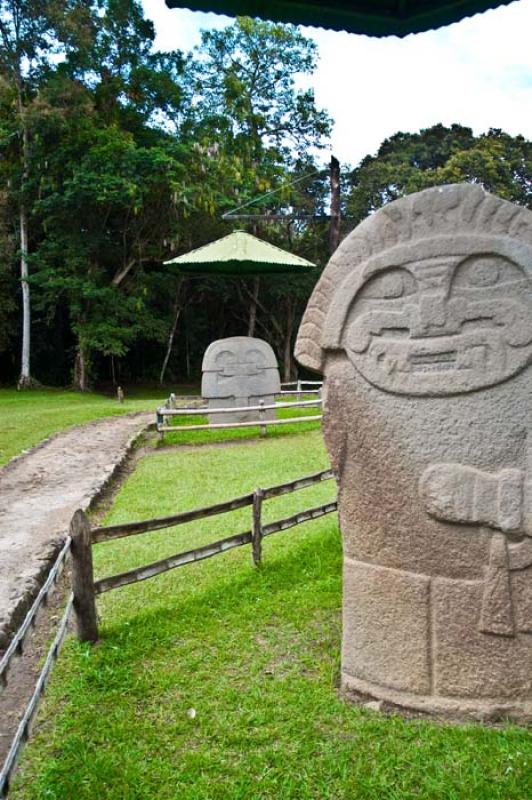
177, 314
253, 306
81, 381
187, 350
334, 231
25, 380
288, 360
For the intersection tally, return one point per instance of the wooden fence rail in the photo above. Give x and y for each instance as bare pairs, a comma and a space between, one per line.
104, 534
300, 384
170, 411
191, 411
23, 729
172, 562
86, 589
298, 483
300, 389
252, 424
293, 392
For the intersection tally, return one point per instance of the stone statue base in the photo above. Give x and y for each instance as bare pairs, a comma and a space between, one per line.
423, 653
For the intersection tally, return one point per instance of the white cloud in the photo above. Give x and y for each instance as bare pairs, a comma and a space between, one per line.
179, 28
477, 72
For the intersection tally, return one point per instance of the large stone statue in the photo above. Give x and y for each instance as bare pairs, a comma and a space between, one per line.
239, 371
422, 326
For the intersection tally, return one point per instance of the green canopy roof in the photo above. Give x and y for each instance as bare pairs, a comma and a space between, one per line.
373, 17
239, 253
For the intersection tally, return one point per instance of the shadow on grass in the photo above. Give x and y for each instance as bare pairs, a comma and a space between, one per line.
315, 561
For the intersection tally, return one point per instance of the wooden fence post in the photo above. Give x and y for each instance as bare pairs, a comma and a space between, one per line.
256, 532
159, 421
262, 414
83, 578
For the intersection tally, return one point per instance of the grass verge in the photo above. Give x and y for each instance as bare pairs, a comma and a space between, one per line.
26, 418
219, 681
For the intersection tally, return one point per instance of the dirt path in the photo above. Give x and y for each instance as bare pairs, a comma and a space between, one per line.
39, 492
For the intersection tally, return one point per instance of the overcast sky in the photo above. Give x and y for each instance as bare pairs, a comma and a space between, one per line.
477, 72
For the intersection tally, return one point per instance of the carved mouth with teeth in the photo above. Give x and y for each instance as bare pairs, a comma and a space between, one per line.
439, 365
433, 361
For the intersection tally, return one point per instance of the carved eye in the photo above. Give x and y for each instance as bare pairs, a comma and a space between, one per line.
389, 285
256, 357
484, 272
225, 357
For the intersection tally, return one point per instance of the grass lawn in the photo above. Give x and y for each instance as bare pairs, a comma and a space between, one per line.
220, 680
26, 418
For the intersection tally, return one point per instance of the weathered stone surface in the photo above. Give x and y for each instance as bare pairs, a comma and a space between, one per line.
239, 371
467, 661
390, 647
422, 326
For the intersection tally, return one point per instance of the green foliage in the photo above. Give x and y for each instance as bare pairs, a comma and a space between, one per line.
107, 213
244, 82
407, 163
119, 158
245, 107
131, 158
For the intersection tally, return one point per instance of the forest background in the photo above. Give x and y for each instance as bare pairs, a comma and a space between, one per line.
114, 158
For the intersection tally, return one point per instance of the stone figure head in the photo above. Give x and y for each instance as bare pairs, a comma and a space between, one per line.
422, 326
438, 310
239, 367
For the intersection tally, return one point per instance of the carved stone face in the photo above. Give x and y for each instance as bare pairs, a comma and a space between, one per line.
236, 368
239, 366
444, 318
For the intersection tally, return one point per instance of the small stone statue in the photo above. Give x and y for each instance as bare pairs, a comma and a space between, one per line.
422, 326
120, 394
240, 371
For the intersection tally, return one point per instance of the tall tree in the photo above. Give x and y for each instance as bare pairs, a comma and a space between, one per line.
32, 34
246, 106
409, 162
245, 95
112, 175
132, 85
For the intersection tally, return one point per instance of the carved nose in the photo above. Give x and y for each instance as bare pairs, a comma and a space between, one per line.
432, 315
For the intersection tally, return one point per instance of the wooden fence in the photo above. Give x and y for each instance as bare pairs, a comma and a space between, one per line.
82, 601
83, 537
261, 422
